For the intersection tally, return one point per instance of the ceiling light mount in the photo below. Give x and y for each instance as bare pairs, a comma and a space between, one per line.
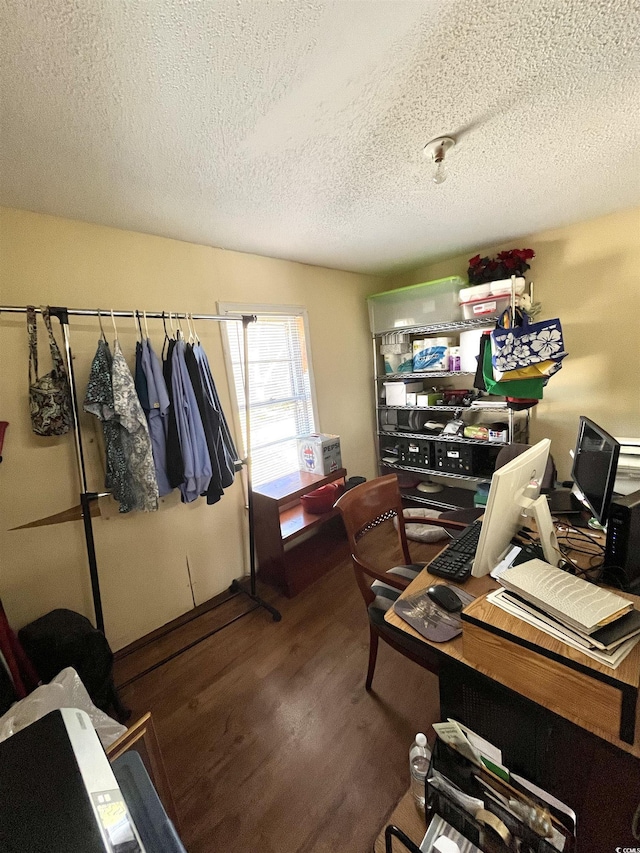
436, 151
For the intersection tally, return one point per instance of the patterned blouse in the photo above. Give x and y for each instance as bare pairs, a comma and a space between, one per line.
111, 397
140, 471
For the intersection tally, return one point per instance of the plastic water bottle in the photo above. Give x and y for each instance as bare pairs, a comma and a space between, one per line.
419, 758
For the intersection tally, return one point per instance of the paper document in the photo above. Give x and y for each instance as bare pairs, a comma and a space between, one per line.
506, 562
451, 733
576, 602
612, 659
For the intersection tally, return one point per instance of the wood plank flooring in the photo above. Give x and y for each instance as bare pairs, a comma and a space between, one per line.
270, 740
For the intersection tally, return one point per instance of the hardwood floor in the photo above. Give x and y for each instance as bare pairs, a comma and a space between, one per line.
270, 740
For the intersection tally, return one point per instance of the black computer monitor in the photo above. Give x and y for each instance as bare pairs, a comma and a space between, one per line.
595, 463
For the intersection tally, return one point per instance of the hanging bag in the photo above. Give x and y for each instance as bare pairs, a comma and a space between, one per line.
517, 347
49, 395
530, 389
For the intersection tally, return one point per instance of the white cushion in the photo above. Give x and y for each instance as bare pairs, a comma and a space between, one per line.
421, 532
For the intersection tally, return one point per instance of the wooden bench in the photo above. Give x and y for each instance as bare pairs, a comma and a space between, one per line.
279, 519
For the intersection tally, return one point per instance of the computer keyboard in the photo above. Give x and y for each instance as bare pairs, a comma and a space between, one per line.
454, 563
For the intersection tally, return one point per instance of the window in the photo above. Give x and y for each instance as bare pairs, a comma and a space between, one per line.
282, 401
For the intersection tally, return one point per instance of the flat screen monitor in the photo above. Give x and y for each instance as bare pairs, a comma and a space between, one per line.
513, 494
595, 463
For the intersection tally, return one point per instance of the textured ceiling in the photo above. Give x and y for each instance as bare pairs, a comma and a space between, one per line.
294, 128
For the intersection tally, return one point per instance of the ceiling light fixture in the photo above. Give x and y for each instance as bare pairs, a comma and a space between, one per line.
436, 151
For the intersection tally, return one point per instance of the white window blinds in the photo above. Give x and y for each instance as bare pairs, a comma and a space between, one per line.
280, 382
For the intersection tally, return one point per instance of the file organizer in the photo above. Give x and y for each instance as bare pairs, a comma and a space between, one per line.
462, 773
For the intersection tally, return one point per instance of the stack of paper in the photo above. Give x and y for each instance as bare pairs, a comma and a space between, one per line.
597, 622
574, 601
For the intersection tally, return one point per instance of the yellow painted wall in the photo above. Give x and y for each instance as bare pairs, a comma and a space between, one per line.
588, 274
143, 557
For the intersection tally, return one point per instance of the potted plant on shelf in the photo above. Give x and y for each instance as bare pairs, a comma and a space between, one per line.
501, 268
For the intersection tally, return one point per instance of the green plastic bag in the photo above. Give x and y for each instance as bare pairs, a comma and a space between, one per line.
530, 389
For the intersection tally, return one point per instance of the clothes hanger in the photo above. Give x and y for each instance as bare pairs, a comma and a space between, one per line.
138, 325
191, 335
115, 330
179, 325
102, 334
146, 327
167, 339
195, 333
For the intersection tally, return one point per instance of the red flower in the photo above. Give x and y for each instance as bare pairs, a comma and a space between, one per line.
524, 254
506, 263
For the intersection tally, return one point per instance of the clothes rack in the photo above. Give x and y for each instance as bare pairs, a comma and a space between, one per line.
238, 586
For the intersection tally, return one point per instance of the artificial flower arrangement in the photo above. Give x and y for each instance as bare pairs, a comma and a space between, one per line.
504, 265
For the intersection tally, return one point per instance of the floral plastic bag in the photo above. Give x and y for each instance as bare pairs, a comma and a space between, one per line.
66, 690
526, 345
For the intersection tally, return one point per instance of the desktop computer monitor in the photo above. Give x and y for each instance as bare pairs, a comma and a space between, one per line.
595, 462
514, 494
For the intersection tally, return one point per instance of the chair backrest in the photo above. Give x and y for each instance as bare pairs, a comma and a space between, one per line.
367, 509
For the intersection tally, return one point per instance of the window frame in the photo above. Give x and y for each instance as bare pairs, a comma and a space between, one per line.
260, 310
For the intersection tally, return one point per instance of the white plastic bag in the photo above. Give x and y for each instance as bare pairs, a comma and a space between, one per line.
65, 691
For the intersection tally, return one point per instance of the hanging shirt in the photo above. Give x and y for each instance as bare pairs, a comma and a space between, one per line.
140, 471
175, 462
193, 443
140, 380
98, 401
156, 412
210, 423
225, 447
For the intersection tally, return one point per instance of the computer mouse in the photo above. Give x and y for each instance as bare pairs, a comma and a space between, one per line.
445, 597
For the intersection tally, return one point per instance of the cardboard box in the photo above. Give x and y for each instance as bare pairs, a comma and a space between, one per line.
395, 393
319, 453
431, 398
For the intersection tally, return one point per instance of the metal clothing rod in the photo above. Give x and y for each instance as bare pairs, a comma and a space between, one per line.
86, 497
154, 315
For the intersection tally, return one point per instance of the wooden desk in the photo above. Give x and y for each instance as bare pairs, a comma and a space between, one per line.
528, 682
592, 769
279, 520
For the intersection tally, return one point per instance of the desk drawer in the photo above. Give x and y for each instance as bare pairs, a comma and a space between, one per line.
574, 695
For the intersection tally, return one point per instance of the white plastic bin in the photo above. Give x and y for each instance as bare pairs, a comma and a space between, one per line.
492, 306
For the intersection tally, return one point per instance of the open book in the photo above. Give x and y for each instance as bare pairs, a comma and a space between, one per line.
576, 602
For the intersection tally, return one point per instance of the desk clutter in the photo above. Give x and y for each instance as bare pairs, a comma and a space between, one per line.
476, 802
601, 624
472, 802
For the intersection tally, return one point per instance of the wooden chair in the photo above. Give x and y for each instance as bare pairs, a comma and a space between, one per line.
368, 512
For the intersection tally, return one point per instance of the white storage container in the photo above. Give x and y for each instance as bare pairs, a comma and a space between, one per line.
503, 287
476, 291
492, 306
417, 305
